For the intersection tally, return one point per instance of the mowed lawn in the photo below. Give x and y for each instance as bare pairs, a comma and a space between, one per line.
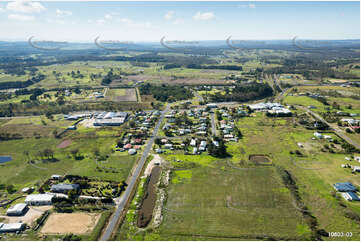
223, 202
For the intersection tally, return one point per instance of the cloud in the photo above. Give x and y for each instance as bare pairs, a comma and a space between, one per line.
203, 16
61, 13
25, 6
178, 21
21, 17
250, 5
108, 16
100, 21
2, 10
56, 21
131, 23
169, 15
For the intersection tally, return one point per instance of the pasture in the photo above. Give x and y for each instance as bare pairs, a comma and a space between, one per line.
314, 172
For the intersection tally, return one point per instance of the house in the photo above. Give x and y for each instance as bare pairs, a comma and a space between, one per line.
12, 227
203, 145
350, 196
127, 146
228, 136
56, 177
168, 146
328, 137
318, 135
132, 151
195, 151
356, 169
216, 143
39, 199
72, 127
350, 121
201, 133
193, 142
212, 105
167, 127
344, 187
64, 188
27, 190
159, 151
17, 210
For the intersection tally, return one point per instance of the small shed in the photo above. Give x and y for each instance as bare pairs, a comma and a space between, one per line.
132, 151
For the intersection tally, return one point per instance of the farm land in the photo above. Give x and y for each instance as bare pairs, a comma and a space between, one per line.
247, 176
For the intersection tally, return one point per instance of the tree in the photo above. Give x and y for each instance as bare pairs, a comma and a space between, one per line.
132, 124
55, 133
158, 141
96, 152
49, 153
60, 100
75, 153
49, 115
10, 189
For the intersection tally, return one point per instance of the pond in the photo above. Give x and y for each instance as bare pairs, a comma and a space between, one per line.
149, 199
4, 159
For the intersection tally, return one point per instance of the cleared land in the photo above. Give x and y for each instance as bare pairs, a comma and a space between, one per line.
75, 223
224, 202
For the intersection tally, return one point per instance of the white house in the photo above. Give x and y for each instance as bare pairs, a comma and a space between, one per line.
193, 142
318, 135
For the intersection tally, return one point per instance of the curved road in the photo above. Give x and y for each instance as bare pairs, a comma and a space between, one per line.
125, 196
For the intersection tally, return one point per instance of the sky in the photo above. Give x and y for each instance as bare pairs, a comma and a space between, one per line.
78, 21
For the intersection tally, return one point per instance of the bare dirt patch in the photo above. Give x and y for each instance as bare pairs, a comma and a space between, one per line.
156, 160
130, 96
64, 144
76, 223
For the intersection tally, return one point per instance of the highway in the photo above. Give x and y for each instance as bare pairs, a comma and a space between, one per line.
133, 181
337, 130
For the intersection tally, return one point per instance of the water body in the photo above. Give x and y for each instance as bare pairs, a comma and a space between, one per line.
4, 159
149, 199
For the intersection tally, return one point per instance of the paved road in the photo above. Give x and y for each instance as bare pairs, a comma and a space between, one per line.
337, 130
213, 122
125, 197
281, 95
